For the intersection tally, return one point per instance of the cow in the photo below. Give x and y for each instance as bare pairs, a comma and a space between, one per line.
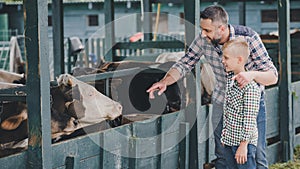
74, 105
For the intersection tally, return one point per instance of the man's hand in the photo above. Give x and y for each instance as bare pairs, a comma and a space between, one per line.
241, 153
160, 86
243, 78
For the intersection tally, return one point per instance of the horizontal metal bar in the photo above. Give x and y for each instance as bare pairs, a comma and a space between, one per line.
106, 75
150, 44
16, 90
8, 97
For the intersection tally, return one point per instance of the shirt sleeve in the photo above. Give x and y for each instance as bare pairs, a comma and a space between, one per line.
250, 111
191, 57
260, 59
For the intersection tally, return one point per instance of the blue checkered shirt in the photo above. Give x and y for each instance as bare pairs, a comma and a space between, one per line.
241, 107
258, 60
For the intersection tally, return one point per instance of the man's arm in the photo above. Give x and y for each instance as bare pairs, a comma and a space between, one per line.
265, 78
171, 77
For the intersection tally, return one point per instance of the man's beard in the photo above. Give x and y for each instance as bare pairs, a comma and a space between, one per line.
215, 41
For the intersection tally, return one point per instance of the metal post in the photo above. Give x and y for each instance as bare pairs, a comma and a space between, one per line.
58, 37
38, 87
147, 20
285, 94
242, 13
109, 30
184, 146
189, 16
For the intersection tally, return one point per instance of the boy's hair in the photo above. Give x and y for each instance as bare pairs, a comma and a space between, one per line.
216, 14
237, 47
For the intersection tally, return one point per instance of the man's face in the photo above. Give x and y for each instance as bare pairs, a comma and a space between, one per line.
211, 31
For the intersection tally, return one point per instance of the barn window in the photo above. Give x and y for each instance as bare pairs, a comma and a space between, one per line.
271, 15
295, 15
93, 20
49, 20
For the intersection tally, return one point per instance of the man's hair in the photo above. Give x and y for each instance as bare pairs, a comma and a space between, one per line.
237, 47
215, 13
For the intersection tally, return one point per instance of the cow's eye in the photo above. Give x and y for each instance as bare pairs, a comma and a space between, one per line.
75, 122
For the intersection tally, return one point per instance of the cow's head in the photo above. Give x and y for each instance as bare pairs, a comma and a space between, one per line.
66, 108
98, 107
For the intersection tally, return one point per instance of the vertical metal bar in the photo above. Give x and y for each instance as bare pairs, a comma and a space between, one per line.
160, 143
109, 30
58, 37
242, 13
132, 149
70, 57
198, 112
98, 50
147, 20
189, 16
38, 87
184, 146
285, 103
197, 15
102, 151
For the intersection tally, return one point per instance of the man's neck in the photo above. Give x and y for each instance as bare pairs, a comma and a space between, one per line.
225, 36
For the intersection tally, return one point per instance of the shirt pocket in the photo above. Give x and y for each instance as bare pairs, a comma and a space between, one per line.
234, 106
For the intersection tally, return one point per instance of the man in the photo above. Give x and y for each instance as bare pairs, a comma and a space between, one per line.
215, 31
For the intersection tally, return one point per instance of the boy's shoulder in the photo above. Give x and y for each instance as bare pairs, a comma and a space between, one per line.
252, 86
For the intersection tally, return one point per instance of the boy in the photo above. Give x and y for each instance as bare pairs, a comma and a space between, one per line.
241, 106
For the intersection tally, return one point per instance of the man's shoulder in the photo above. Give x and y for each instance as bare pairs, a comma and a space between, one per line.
240, 30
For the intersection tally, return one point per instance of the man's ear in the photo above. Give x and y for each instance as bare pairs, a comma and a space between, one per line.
223, 28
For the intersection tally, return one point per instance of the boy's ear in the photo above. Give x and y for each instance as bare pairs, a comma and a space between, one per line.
240, 59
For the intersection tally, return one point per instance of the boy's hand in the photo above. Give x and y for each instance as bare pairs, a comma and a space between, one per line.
241, 153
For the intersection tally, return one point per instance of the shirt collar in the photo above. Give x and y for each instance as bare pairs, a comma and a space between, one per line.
231, 32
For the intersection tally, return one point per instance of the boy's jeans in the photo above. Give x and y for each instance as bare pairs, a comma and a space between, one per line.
221, 152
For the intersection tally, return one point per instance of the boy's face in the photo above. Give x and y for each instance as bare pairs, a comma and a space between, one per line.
230, 62
211, 31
